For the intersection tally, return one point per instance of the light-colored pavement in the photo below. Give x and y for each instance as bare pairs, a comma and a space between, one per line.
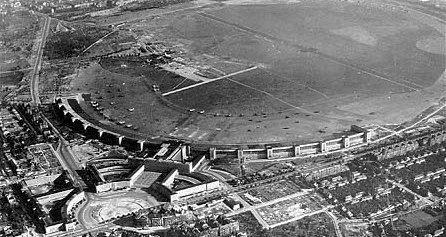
34, 83
211, 80
335, 223
70, 163
386, 129
252, 209
98, 41
65, 157
208, 171
267, 203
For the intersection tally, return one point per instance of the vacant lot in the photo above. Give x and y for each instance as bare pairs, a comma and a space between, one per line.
419, 219
11, 78
17, 34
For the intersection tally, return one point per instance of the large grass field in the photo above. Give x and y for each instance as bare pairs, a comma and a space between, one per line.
359, 50
321, 66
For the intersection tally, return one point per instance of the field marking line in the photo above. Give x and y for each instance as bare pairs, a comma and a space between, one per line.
286, 42
202, 135
370, 73
300, 84
413, 83
384, 128
179, 84
192, 134
272, 96
211, 80
218, 70
322, 102
330, 100
236, 63
98, 41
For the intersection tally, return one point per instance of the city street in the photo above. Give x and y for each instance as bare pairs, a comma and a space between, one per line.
34, 84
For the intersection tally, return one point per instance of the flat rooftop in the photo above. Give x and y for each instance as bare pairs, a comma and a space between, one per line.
147, 178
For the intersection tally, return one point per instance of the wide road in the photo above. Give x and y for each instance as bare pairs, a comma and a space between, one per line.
70, 163
65, 157
34, 84
335, 223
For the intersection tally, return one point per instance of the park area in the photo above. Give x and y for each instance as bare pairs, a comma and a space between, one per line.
300, 71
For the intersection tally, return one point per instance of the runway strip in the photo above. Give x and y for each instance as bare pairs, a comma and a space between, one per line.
212, 80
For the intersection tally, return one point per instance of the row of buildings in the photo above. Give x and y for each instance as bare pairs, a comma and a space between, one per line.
124, 172
74, 116
355, 136
35, 171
